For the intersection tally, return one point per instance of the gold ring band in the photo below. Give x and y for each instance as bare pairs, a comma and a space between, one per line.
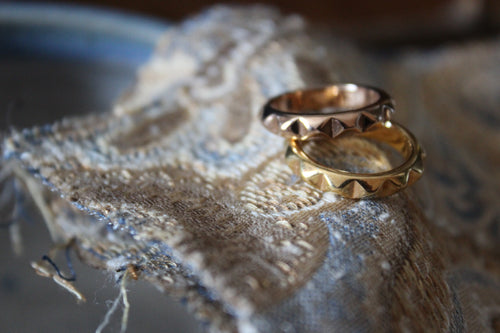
362, 185
329, 110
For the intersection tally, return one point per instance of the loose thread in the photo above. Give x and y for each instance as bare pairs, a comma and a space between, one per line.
35, 191
16, 238
110, 312
68, 263
126, 307
126, 304
53, 264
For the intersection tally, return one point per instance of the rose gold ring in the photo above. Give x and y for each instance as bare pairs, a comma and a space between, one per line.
329, 110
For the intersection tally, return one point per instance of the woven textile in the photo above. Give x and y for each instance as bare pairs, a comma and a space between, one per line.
182, 181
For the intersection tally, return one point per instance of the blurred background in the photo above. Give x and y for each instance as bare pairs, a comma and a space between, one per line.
74, 57
384, 21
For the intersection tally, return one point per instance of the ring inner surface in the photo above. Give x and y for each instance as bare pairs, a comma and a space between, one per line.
328, 100
377, 150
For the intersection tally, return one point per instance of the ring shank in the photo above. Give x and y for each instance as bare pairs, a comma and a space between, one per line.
336, 98
329, 110
363, 185
394, 135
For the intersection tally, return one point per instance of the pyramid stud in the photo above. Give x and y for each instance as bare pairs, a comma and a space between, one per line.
329, 110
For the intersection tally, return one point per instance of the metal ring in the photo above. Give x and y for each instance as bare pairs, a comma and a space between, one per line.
363, 185
329, 110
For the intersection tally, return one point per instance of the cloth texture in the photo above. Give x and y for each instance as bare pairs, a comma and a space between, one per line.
182, 181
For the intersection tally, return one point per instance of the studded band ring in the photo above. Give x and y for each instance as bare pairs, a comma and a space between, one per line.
345, 111
329, 110
362, 185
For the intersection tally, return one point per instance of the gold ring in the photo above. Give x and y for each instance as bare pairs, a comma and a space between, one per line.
329, 110
362, 185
